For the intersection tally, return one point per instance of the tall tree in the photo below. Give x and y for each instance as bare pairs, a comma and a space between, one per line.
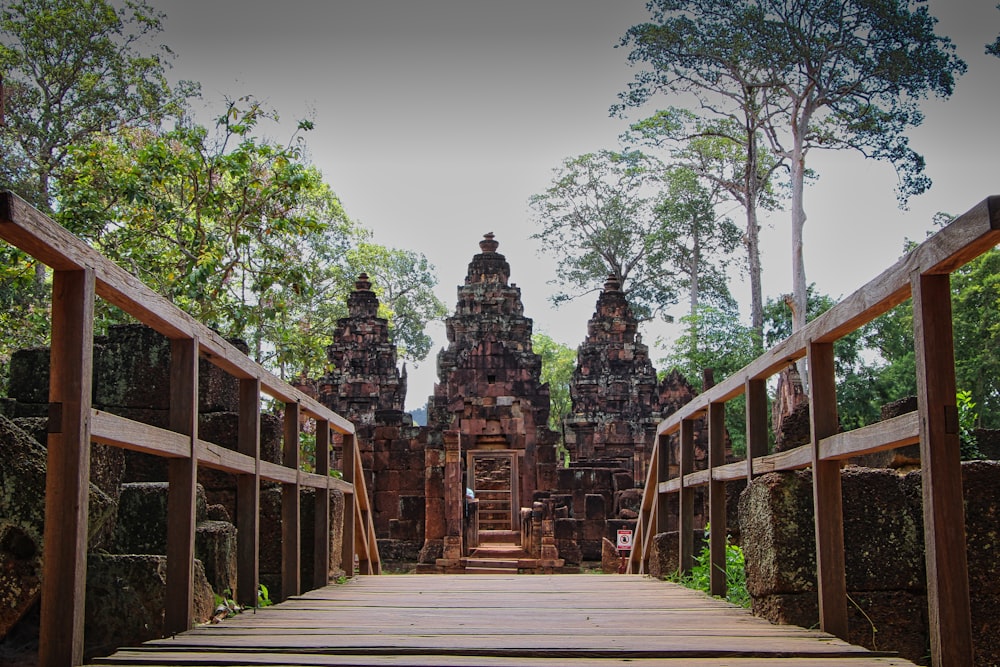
816, 74
694, 239
71, 68
598, 218
852, 74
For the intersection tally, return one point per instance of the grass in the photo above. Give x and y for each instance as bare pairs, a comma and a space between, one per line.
736, 578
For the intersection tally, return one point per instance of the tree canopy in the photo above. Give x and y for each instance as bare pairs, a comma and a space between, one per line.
810, 74
599, 217
241, 232
70, 69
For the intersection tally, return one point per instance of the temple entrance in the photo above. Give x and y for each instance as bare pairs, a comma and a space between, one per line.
494, 479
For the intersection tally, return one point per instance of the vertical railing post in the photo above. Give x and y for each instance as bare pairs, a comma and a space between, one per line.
67, 482
685, 500
662, 475
756, 421
350, 501
717, 498
291, 535
321, 531
827, 497
248, 496
948, 612
182, 475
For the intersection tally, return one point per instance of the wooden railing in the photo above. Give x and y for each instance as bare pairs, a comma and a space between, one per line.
80, 274
924, 275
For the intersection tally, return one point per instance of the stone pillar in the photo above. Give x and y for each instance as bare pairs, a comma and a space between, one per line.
454, 494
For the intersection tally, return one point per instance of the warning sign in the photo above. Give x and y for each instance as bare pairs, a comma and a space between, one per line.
625, 539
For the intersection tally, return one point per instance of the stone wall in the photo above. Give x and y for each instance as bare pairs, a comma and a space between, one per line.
883, 536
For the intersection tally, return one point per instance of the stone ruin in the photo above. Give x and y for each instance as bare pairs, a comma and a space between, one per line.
127, 527
489, 393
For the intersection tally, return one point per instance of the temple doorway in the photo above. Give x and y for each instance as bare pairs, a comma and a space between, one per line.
495, 479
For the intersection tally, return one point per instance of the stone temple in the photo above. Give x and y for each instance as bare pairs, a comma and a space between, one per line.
488, 430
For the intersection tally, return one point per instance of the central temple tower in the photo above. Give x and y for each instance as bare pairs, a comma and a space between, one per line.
490, 390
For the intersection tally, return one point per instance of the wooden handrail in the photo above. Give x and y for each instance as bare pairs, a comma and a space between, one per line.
923, 275
81, 273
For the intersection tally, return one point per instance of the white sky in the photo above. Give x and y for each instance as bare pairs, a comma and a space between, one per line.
436, 120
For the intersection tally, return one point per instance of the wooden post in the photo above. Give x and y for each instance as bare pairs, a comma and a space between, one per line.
685, 501
717, 499
248, 496
182, 474
291, 535
662, 474
350, 501
67, 481
827, 498
321, 532
756, 421
948, 612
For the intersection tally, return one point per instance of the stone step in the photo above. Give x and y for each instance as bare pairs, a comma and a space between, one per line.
499, 551
502, 535
492, 563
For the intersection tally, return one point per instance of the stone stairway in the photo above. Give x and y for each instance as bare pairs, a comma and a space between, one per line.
499, 552
494, 509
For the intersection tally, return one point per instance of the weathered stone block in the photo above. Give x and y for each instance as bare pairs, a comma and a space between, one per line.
628, 500
22, 520
891, 620
623, 481
882, 534
142, 517
566, 529
126, 596
594, 507
215, 546
569, 551
610, 559
411, 507
387, 502
590, 549
29, 376
664, 559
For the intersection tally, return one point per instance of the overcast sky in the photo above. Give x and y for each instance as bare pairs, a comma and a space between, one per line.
436, 121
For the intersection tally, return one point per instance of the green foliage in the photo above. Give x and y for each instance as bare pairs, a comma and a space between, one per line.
967, 419
72, 68
68, 69
699, 578
976, 318
694, 241
404, 282
241, 232
558, 364
599, 217
225, 606
231, 228
715, 338
860, 394
263, 596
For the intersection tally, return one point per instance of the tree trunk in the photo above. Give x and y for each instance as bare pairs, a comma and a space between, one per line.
752, 243
798, 169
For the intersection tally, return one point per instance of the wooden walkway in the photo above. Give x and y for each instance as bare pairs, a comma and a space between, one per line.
501, 621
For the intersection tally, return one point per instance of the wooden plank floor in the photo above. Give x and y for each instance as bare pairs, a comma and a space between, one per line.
501, 621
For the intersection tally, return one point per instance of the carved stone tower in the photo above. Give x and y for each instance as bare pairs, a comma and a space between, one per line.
363, 380
490, 388
614, 390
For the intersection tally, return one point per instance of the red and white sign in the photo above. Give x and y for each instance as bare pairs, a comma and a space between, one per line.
625, 539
